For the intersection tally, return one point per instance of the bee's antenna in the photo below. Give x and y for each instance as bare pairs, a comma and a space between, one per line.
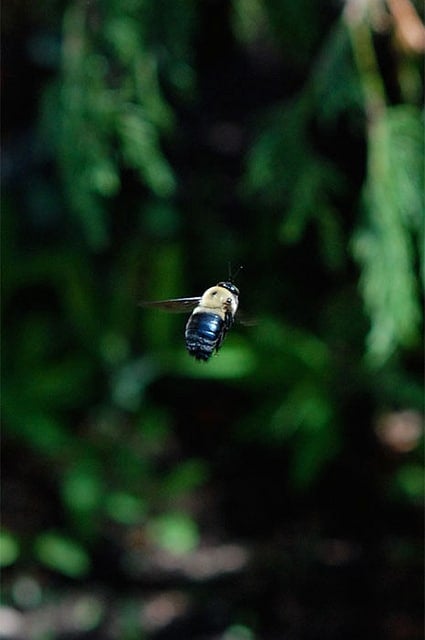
232, 277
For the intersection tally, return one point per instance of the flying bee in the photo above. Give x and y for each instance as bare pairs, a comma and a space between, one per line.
212, 316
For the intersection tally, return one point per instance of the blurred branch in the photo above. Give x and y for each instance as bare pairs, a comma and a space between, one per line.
356, 17
409, 28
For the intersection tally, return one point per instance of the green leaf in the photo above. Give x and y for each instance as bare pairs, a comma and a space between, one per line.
141, 151
9, 549
185, 477
124, 34
385, 247
234, 360
62, 554
83, 486
238, 632
61, 385
315, 446
249, 19
175, 532
309, 199
125, 508
42, 431
334, 79
410, 481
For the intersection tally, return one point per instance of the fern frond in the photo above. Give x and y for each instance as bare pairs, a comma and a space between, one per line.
385, 246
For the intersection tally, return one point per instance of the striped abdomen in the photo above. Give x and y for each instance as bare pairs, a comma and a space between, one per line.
204, 334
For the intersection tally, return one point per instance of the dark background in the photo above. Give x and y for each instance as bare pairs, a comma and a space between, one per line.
149, 150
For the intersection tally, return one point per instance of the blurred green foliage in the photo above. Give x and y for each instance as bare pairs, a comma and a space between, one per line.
9, 549
394, 204
61, 554
322, 202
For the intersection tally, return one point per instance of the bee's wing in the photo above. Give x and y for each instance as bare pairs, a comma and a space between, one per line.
175, 305
247, 321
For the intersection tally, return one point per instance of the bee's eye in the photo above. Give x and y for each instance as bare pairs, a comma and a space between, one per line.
213, 293
229, 300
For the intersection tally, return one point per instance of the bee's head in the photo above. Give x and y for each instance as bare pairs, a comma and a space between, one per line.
223, 296
230, 287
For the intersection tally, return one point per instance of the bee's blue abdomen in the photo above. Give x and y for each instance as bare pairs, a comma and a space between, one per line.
204, 334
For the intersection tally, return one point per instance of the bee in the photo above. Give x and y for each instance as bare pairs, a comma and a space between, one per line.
212, 316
